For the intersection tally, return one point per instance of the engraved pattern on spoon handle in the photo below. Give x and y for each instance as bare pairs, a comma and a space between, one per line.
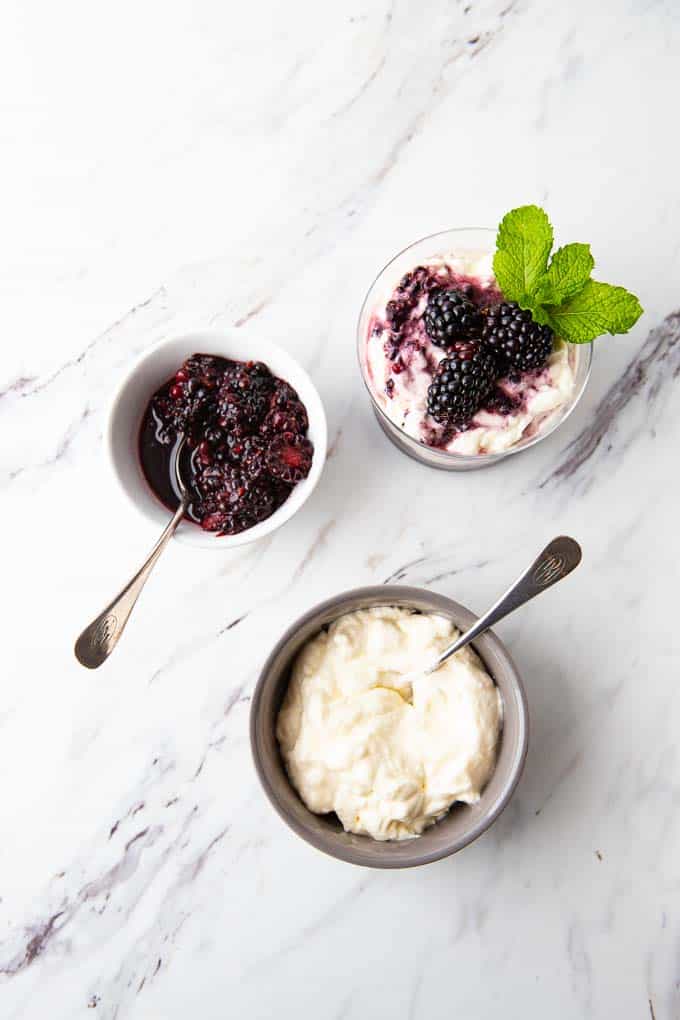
557, 560
100, 637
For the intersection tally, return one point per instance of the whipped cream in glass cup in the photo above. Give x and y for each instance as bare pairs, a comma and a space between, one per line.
540, 400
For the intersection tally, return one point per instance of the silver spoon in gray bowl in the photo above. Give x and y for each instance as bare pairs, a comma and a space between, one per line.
557, 560
100, 637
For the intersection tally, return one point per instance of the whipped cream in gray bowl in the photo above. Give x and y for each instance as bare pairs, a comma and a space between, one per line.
372, 773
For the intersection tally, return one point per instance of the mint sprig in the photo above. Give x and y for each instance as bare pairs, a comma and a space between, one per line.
559, 292
523, 245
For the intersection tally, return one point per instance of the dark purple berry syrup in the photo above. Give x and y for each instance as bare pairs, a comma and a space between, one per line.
403, 326
246, 448
403, 335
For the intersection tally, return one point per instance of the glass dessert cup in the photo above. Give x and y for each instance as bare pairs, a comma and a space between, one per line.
481, 241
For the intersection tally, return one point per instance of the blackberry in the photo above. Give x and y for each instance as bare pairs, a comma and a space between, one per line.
516, 339
451, 315
287, 413
292, 418
244, 396
246, 441
250, 454
188, 400
240, 506
396, 313
283, 395
461, 383
185, 406
208, 367
289, 457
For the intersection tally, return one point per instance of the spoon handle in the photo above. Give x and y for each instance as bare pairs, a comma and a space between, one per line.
558, 559
100, 637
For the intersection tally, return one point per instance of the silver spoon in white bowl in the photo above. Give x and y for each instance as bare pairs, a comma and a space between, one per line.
558, 559
100, 637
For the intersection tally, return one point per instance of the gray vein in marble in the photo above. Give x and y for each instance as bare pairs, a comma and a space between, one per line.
456, 570
251, 556
252, 313
39, 936
415, 995
236, 697
33, 384
19, 385
567, 771
198, 643
334, 444
655, 367
189, 647
234, 623
421, 115
130, 814
329, 916
218, 737
318, 543
433, 557
363, 88
198, 863
345, 1008
64, 397
62, 449
581, 967
400, 573
42, 934
147, 954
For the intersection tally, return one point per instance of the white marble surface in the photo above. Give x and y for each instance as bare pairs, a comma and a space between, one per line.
177, 165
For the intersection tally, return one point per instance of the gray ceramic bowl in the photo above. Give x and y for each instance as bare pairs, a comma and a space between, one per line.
463, 823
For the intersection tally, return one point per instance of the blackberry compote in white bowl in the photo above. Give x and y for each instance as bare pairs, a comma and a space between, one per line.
474, 346
255, 436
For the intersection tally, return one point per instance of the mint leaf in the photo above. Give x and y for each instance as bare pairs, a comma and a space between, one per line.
597, 308
523, 245
540, 314
568, 272
560, 294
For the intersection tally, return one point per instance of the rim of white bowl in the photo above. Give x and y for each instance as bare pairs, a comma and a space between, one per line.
244, 347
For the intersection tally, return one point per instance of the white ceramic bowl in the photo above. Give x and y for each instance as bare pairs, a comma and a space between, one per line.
155, 367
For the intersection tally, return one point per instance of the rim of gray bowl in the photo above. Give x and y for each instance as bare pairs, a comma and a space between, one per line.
463, 823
